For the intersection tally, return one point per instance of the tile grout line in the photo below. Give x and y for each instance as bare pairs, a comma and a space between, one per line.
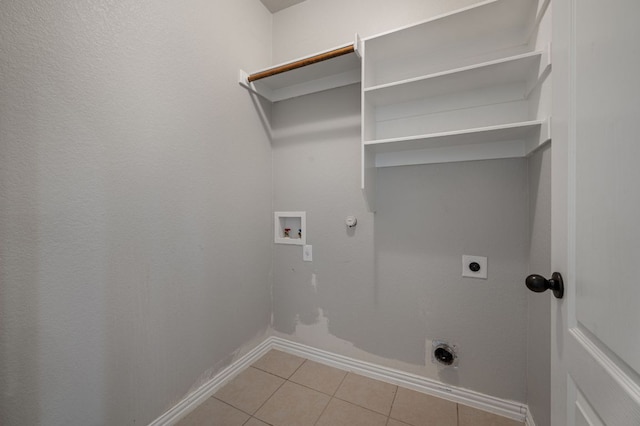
392, 402
332, 396
307, 387
360, 406
273, 374
269, 397
249, 419
274, 392
316, 390
340, 384
310, 388
268, 372
233, 406
323, 410
262, 421
226, 403
297, 368
395, 394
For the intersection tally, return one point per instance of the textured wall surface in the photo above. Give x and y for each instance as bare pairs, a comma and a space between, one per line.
136, 214
135, 204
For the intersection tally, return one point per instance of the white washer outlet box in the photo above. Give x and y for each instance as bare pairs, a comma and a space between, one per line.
474, 266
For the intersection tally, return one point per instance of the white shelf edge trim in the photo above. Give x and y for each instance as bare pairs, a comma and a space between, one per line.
452, 154
534, 145
456, 132
510, 409
543, 72
457, 70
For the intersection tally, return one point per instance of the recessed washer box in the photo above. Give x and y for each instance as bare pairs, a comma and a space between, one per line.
290, 228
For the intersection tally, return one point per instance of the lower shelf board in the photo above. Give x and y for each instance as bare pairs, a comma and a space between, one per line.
491, 142
511, 140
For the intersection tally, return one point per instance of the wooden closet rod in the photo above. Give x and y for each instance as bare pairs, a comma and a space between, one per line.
302, 63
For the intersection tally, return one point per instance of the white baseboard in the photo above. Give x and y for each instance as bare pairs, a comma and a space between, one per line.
193, 400
509, 409
529, 419
505, 408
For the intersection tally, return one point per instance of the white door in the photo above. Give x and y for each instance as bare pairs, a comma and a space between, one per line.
596, 212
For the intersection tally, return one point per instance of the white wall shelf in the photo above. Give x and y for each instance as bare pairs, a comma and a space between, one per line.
467, 85
475, 34
524, 68
503, 141
313, 77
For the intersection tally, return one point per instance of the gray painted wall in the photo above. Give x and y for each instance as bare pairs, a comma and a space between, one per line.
135, 204
385, 305
386, 302
539, 305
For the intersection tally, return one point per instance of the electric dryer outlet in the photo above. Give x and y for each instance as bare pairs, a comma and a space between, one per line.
474, 266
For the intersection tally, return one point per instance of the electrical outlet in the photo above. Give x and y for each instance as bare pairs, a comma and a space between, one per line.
474, 266
307, 253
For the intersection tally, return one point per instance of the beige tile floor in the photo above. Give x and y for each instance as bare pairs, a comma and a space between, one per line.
281, 389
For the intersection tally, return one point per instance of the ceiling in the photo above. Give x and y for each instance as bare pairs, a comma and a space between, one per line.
277, 5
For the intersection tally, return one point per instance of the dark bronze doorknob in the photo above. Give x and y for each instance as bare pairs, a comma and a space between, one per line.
538, 283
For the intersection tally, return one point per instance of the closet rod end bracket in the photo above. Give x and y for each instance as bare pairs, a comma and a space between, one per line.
357, 46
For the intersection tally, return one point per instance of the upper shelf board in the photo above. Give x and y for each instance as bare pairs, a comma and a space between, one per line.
327, 74
523, 68
511, 19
